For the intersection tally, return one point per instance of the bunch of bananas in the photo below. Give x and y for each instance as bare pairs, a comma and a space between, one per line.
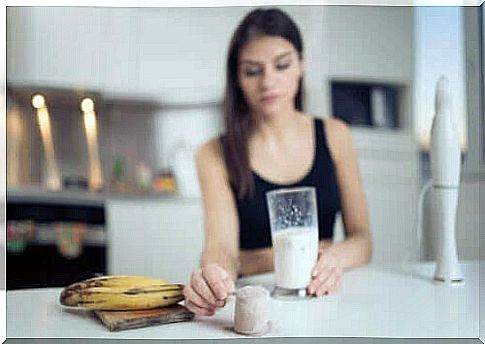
121, 293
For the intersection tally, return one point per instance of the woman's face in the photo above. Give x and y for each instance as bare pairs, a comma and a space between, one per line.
269, 72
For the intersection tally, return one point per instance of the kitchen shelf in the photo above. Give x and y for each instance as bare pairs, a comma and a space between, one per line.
37, 194
70, 97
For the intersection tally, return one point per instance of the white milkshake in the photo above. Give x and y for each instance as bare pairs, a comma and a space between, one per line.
295, 253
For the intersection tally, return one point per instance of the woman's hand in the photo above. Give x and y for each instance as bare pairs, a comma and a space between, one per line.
326, 274
208, 290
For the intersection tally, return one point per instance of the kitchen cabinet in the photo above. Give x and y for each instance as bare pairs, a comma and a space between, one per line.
179, 54
369, 41
144, 51
161, 238
389, 167
182, 48
62, 46
151, 235
121, 53
369, 44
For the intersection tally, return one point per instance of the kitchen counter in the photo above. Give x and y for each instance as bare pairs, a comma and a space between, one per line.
36, 194
373, 301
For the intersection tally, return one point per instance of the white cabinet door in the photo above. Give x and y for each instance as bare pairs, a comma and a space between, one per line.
122, 53
154, 238
392, 212
390, 176
184, 49
369, 41
61, 46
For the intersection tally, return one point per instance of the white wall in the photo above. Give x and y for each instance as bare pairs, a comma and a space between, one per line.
474, 166
439, 51
469, 221
185, 126
179, 131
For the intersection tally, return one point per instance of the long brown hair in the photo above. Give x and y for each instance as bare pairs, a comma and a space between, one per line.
238, 122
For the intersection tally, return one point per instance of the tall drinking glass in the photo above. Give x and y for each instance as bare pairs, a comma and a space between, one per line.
294, 234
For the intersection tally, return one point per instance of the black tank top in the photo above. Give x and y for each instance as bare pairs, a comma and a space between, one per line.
254, 227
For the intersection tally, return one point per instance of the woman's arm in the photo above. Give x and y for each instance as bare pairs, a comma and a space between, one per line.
211, 284
220, 215
356, 249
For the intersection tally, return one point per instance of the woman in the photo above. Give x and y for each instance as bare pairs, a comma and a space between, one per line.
270, 143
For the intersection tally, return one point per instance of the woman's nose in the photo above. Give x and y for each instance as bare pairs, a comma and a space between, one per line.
268, 79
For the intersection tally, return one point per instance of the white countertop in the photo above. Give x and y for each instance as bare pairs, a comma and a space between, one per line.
373, 301
38, 194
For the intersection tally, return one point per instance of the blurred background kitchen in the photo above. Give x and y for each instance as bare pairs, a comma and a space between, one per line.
106, 106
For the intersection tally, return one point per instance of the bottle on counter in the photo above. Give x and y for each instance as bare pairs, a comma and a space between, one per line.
165, 182
143, 177
117, 183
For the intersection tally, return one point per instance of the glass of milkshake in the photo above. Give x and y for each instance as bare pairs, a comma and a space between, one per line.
294, 235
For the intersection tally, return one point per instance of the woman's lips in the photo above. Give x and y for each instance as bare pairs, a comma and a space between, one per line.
268, 99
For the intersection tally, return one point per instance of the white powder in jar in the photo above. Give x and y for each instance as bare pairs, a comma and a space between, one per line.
251, 314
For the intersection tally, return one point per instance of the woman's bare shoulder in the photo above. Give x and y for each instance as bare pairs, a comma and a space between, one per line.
339, 136
332, 125
336, 126
210, 154
210, 149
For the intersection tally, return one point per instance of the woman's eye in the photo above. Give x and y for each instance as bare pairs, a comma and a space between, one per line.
251, 72
282, 66
257, 71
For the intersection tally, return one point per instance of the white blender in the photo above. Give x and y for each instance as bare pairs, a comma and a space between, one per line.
445, 176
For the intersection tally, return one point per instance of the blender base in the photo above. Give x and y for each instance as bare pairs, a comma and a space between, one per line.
289, 294
455, 282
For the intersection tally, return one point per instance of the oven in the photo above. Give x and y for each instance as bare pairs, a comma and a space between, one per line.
53, 243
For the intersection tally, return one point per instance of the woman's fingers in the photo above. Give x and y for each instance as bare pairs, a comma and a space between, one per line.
319, 279
191, 295
331, 284
336, 285
230, 286
317, 268
327, 281
324, 286
215, 276
338, 281
198, 310
208, 289
199, 285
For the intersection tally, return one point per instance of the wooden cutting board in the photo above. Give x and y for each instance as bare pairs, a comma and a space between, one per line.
124, 320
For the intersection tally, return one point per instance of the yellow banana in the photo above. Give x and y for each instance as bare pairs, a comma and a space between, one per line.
121, 293
118, 281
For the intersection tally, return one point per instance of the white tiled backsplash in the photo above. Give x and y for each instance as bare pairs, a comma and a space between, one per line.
184, 126
178, 134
